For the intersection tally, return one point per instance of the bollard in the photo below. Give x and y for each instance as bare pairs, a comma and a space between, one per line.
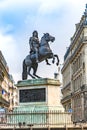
30, 126
48, 128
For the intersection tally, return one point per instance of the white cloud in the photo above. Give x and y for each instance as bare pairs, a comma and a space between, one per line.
16, 4
6, 28
44, 5
47, 6
9, 49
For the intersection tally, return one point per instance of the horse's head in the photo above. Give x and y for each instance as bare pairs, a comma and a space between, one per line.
48, 37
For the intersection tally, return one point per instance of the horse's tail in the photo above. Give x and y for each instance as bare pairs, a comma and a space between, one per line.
24, 73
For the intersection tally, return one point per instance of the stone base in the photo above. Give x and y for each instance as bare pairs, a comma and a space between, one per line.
38, 102
50, 99
40, 108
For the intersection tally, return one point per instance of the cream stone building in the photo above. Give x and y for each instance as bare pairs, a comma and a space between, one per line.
74, 73
6, 83
66, 91
12, 94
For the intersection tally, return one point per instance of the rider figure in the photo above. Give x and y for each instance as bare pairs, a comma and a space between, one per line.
34, 44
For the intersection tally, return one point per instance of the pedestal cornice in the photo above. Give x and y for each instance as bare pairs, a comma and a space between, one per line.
36, 82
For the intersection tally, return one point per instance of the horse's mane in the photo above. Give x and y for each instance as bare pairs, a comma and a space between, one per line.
41, 39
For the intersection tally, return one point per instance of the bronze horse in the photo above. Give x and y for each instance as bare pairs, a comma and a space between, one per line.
45, 53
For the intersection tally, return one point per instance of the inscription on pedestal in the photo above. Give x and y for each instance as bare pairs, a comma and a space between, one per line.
32, 95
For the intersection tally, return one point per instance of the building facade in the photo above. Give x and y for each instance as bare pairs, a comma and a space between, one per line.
6, 83
12, 94
66, 91
74, 73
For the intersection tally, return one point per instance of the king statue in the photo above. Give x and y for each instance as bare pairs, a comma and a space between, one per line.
39, 51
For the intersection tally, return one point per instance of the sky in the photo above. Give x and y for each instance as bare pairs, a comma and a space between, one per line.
19, 18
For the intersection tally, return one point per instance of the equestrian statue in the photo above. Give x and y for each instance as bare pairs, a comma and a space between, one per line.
39, 51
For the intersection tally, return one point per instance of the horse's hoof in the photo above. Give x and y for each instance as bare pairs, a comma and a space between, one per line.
53, 61
33, 77
39, 77
48, 64
57, 64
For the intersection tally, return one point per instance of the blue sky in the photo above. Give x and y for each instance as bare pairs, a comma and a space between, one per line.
18, 19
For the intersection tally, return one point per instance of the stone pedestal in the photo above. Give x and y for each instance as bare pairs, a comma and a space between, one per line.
39, 95
38, 103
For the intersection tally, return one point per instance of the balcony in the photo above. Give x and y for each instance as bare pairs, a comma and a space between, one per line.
65, 99
3, 101
67, 87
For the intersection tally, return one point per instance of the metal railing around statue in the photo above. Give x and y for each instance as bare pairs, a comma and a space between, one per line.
35, 118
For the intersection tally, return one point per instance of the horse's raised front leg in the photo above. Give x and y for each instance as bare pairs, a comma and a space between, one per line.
53, 61
57, 59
